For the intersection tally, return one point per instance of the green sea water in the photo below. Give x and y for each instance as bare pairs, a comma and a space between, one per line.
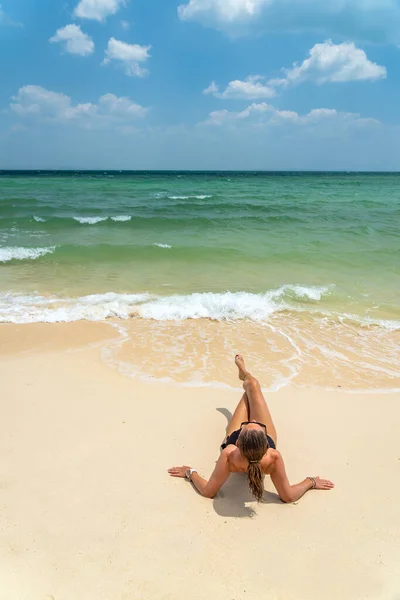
299, 270
178, 233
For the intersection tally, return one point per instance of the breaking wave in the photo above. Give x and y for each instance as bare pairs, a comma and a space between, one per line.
232, 306
17, 253
199, 197
90, 220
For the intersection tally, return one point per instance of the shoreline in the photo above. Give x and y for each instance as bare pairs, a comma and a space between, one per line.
89, 512
196, 353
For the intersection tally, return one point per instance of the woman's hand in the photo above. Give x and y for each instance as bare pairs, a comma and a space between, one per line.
323, 484
178, 471
210, 488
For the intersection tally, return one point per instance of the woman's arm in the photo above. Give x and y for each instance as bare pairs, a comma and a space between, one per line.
292, 493
210, 488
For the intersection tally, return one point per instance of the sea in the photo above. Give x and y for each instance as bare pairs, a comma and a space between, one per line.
298, 271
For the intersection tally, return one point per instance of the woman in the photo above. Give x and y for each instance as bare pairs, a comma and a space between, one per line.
250, 447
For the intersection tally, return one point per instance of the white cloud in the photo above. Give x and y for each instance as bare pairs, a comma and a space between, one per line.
76, 41
333, 63
369, 20
125, 25
265, 114
251, 88
221, 117
221, 10
97, 10
212, 89
327, 63
130, 55
35, 100
122, 107
39, 103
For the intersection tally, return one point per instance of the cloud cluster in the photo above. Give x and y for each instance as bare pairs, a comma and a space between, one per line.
265, 114
97, 10
326, 63
369, 20
36, 102
222, 117
74, 39
222, 11
333, 63
130, 56
251, 88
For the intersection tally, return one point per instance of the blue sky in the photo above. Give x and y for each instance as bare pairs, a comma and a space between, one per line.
200, 84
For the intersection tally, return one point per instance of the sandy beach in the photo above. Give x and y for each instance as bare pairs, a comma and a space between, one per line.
88, 511
195, 197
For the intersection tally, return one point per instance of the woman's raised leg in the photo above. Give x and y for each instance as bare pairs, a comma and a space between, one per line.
258, 408
241, 414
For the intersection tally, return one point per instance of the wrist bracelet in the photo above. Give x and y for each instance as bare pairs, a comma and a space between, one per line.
189, 473
314, 483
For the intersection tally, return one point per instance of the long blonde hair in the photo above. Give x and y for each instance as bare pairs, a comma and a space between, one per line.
253, 445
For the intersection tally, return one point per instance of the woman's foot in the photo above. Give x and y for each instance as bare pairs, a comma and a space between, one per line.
239, 361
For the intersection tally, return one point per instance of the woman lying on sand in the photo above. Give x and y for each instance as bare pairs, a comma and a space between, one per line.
250, 447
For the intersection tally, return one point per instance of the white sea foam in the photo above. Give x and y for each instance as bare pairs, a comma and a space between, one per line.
163, 246
232, 306
98, 307
228, 305
39, 219
301, 292
16, 253
121, 218
90, 220
199, 197
386, 324
34, 308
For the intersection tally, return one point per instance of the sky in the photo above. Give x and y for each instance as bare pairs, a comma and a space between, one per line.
200, 84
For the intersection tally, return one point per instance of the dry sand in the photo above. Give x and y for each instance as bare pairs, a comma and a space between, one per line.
88, 512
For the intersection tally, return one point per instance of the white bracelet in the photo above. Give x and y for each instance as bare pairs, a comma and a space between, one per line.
189, 474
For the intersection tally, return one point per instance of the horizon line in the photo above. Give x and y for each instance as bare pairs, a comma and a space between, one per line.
72, 170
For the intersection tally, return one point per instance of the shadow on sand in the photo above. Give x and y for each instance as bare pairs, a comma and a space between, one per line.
236, 500
227, 414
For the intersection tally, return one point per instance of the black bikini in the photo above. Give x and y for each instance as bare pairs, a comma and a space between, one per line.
233, 438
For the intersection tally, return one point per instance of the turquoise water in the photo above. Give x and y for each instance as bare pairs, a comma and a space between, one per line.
336, 235
299, 271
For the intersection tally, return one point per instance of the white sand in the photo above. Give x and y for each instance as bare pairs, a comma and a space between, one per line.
88, 511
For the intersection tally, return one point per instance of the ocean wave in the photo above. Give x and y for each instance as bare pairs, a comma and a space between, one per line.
17, 253
225, 306
90, 220
39, 219
34, 308
302, 292
366, 322
163, 245
199, 197
121, 218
